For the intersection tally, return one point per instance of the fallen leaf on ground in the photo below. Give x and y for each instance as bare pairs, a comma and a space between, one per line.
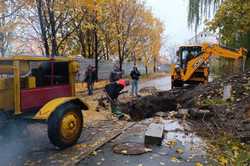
171, 143
198, 164
148, 150
124, 152
94, 153
162, 163
174, 159
179, 151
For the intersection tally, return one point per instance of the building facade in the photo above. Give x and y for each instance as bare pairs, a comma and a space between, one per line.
204, 37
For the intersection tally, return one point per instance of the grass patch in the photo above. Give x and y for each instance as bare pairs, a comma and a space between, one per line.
210, 102
227, 150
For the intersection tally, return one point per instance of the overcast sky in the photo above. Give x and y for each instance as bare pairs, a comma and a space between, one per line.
173, 13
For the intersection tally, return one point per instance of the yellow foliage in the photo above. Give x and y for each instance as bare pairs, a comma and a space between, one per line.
232, 21
223, 161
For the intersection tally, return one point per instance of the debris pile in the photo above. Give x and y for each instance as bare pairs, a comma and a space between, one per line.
231, 115
206, 107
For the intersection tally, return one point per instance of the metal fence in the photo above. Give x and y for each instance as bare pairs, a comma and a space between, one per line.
105, 67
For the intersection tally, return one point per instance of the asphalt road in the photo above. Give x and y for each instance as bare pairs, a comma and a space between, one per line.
191, 145
161, 84
165, 155
22, 141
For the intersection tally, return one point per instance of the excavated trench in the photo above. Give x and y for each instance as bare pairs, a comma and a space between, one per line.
148, 106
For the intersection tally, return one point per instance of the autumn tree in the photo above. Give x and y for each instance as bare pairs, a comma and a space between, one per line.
200, 10
55, 18
230, 18
148, 39
8, 23
100, 29
124, 17
232, 22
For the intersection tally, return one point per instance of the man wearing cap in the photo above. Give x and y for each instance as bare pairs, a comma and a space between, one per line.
113, 90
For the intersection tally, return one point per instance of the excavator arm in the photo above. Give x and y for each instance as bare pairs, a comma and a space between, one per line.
208, 51
217, 50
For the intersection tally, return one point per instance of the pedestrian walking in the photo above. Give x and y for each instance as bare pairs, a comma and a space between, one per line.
135, 76
90, 79
115, 74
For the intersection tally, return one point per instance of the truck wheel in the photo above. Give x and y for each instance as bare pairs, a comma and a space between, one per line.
65, 125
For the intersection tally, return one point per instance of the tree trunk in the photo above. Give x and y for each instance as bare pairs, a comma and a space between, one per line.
146, 69
155, 65
107, 50
120, 54
54, 51
3, 42
2, 47
96, 53
89, 43
134, 59
82, 43
42, 26
121, 64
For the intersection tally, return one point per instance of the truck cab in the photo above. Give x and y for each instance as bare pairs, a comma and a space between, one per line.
43, 89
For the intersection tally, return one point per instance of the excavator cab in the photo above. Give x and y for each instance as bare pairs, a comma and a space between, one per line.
186, 53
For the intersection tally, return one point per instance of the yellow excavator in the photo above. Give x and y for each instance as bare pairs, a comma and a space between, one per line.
192, 63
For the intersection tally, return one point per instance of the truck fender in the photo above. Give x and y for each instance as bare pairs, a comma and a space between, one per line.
52, 105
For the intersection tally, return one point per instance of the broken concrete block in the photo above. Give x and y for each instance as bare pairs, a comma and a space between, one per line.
182, 113
246, 126
244, 136
227, 92
199, 113
154, 134
161, 114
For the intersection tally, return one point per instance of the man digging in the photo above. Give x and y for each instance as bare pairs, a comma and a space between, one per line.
112, 91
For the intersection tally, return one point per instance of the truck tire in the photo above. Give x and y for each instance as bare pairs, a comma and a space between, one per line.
65, 125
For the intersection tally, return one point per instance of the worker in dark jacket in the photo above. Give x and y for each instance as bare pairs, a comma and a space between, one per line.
135, 76
113, 90
90, 78
115, 74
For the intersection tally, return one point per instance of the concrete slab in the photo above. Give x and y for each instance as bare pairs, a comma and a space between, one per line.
154, 134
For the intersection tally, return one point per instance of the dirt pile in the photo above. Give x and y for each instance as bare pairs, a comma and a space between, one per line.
231, 116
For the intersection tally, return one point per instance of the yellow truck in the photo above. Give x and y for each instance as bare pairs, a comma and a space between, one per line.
43, 89
192, 64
